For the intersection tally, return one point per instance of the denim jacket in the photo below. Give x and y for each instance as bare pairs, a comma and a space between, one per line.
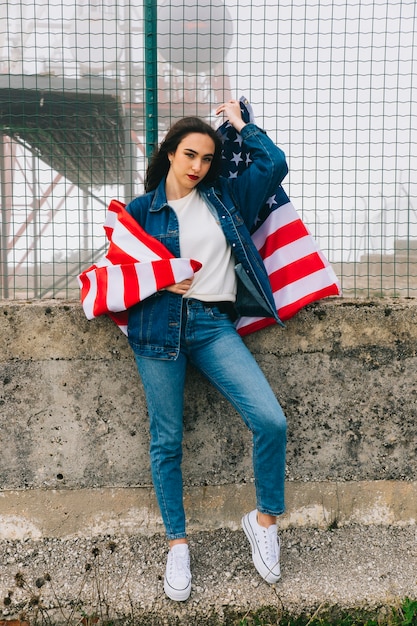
154, 324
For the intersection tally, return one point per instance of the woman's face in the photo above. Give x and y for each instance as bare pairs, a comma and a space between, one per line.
190, 162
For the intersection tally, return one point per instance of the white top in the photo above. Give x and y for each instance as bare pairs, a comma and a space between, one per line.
202, 239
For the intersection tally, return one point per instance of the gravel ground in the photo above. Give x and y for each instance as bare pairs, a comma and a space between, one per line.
351, 567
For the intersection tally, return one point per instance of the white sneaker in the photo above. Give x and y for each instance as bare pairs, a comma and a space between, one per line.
265, 547
177, 581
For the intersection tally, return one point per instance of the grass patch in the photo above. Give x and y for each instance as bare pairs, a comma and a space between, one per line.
405, 614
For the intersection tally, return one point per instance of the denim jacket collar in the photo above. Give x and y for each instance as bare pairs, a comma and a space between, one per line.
160, 199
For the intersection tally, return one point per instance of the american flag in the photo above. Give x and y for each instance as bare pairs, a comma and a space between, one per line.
136, 265
298, 271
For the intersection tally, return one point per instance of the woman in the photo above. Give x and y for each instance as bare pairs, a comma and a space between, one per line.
198, 214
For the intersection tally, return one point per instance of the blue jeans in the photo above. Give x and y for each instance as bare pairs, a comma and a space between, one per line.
210, 342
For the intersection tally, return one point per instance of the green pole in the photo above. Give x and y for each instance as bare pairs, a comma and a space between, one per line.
151, 76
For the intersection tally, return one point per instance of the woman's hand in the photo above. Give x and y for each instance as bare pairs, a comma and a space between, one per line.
180, 288
231, 110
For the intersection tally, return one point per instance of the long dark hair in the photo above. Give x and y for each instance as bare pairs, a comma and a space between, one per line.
159, 164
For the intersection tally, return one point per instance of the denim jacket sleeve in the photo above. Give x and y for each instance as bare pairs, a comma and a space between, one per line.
259, 181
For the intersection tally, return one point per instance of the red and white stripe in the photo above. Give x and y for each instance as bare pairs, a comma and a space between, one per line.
298, 271
135, 267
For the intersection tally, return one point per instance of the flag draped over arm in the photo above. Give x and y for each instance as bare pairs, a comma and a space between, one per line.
298, 271
136, 265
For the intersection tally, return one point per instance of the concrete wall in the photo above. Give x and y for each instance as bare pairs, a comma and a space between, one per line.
74, 437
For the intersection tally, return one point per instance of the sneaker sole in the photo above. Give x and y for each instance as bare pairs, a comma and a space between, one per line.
260, 566
179, 595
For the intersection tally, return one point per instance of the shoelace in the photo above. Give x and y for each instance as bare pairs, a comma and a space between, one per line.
269, 536
179, 563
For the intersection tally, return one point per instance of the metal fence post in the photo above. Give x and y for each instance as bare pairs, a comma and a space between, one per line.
151, 76
4, 271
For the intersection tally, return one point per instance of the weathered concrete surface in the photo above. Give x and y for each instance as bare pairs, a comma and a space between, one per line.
73, 424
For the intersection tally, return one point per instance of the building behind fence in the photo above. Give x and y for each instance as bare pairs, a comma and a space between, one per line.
85, 88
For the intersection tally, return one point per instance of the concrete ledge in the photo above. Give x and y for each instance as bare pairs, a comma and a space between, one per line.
74, 435
65, 514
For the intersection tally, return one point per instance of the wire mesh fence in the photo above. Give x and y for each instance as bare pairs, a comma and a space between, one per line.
87, 88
